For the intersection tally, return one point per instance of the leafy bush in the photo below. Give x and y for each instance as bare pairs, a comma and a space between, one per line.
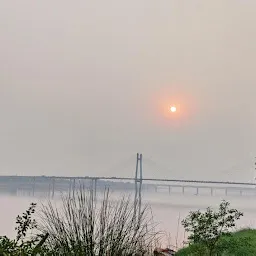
240, 243
207, 228
25, 223
23, 244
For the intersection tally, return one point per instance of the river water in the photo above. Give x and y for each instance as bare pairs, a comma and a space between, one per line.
168, 211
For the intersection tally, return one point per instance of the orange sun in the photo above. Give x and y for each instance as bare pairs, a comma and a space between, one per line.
173, 109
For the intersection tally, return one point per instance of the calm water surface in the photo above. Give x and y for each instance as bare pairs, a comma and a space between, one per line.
167, 211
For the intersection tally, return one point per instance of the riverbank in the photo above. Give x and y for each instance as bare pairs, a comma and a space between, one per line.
239, 243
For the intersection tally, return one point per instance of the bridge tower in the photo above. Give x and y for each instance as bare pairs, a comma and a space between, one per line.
138, 185
254, 170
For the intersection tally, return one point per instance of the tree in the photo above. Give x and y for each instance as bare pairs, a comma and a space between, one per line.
24, 244
207, 227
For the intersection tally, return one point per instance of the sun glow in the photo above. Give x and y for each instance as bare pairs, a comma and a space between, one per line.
173, 109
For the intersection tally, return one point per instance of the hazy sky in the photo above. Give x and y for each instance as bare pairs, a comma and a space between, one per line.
84, 85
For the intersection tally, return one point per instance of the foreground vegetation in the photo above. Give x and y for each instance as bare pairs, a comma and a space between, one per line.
239, 243
82, 227
210, 234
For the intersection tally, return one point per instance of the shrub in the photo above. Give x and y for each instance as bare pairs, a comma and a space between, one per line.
24, 244
80, 227
206, 228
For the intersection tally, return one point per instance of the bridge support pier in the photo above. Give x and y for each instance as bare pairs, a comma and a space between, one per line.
94, 187
53, 187
33, 186
49, 190
70, 188
74, 187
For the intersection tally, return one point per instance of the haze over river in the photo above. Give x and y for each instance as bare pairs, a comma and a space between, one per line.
167, 210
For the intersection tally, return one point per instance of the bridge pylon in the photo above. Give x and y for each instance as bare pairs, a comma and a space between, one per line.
138, 185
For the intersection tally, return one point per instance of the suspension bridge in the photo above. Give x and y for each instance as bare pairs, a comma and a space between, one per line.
50, 185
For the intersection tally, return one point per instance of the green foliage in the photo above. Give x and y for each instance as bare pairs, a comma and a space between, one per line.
192, 250
25, 223
240, 243
232, 245
206, 228
24, 244
210, 234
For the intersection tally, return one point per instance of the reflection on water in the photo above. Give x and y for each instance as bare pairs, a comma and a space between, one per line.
167, 210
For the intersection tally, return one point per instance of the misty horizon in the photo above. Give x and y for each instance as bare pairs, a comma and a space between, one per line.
86, 85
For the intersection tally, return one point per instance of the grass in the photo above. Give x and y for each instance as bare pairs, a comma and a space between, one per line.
240, 243
82, 227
